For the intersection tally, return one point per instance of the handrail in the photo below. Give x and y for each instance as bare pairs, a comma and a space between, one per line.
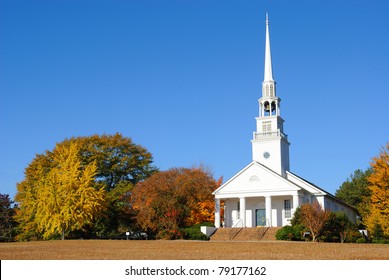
236, 228
263, 229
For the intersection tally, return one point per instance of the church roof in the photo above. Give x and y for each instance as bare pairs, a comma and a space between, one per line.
327, 193
256, 179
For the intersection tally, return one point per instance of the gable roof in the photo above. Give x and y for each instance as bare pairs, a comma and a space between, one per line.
326, 193
256, 179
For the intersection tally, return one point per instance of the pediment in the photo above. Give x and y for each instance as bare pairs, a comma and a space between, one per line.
256, 178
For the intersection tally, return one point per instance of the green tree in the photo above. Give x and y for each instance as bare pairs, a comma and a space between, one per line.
336, 227
7, 222
166, 201
118, 159
355, 191
65, 197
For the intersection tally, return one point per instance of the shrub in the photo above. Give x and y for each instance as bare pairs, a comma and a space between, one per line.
361, 240
380, 241
338, 228
194, 232
352, 235
291, 233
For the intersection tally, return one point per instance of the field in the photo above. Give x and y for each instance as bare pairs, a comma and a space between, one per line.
189, 250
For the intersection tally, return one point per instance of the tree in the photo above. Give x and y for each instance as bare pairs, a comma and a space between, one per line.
65, 197
170, 200
314, 218
336, 227
119, 165
7, 222
118, 159
27, 196
355, 191
379, 187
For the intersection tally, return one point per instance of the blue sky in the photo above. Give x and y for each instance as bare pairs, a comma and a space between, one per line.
182, 78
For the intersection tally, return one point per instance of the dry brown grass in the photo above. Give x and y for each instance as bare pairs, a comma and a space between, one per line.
189, 250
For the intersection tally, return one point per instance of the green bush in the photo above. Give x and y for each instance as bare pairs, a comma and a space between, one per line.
352, 235
194, 232
361, 240
338, 228
380, 241
291, 233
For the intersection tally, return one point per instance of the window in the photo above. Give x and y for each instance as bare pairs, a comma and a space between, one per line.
288, 209
266, 126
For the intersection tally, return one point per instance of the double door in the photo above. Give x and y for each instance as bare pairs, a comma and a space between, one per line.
260, 217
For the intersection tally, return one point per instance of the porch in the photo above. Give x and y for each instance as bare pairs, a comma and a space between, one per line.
250, 212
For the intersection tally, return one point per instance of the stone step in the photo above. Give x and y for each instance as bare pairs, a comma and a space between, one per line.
245, 234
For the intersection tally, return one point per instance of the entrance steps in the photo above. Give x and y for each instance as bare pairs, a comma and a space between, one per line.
245, 234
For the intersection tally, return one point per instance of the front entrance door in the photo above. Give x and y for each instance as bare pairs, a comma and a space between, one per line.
260, 217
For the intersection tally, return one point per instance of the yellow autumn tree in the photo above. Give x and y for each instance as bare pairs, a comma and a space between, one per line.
379, 186
64, 198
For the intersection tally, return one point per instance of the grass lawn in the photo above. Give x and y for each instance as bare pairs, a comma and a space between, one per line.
189, 250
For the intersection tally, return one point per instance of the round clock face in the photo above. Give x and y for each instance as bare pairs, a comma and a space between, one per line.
266, 155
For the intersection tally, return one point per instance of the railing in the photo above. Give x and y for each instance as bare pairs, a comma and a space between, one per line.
236, 228
263, 229
269, 134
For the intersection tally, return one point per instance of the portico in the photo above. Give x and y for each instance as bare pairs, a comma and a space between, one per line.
256, 204
258, 211
256, 196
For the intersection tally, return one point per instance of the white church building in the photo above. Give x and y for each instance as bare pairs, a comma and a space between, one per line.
265, 192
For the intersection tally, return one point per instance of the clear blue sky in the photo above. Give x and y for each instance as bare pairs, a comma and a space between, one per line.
182, 78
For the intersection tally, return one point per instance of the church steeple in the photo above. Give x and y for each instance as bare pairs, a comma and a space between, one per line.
270, 143
268, 73
270, 103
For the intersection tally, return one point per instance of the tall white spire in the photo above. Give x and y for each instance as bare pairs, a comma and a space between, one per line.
270, 143
268, 73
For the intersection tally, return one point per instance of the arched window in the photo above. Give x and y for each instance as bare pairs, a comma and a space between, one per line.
267, 109
273, 108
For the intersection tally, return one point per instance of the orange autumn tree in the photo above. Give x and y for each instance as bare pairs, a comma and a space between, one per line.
314, 218
205, 212
170, 200
379, 200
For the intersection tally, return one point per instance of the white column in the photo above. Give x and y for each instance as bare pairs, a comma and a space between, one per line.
217, 212
242, 211
296, 203
276, 105
268, 211
262, 109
